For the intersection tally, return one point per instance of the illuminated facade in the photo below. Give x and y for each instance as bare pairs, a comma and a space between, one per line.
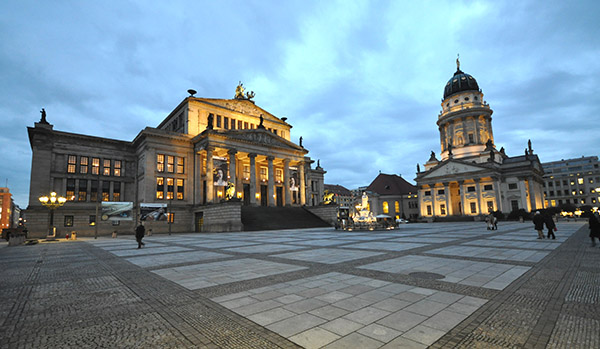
572, 182
392, 195
472, 177
206, 159
7, 218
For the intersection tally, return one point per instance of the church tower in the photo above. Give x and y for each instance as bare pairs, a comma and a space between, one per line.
465, 122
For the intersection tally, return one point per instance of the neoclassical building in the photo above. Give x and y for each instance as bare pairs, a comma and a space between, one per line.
472, 177
207, 158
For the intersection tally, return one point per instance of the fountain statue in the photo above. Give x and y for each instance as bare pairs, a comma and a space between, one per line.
364, 215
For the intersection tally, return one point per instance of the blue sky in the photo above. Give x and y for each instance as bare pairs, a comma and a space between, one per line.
360, 81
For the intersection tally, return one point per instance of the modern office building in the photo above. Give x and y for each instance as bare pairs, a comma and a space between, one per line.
472, 177
572, 182
196, 169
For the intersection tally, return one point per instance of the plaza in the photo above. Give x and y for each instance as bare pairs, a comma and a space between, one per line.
438, 285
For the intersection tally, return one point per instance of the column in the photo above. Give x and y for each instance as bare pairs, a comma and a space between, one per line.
286, 182
433, 200
478, 191
498, 194
271, 182
252, 179
210, 188
523, 191
447, 192
232, 167
461, 187
302, 183
197, 178
531, 195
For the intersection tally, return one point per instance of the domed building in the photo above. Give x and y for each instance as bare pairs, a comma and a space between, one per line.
472, 177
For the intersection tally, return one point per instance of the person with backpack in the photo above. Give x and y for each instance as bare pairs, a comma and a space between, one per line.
549, 221
594, 222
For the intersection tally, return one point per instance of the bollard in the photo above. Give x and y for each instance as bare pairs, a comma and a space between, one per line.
114, 234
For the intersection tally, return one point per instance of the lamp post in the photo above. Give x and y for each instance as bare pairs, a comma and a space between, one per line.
170, 215
53, 202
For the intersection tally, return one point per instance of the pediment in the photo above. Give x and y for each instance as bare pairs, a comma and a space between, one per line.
453, 168
243, 106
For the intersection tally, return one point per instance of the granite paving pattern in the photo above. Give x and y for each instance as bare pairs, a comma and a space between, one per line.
438, 285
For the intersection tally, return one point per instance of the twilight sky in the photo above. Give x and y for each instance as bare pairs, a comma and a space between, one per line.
360, 81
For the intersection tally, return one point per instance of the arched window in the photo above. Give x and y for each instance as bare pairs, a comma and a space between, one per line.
386, 208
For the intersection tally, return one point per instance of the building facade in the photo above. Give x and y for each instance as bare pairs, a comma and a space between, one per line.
572, 182
207, 158
392, 195
9, 212
472, 177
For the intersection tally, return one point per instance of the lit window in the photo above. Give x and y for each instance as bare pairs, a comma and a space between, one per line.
574, 192
263, 174
397, 206
82, 195
579, 180
83, 164
105, 191
95, 166
246, 171
279, 175
180, 165
170, 188
180, 189
72, 164
160, 188
386, 208
171, 217
170, 163
68, 221
92, 220
117, 191
117, 169
490, 206
160, 162
443, 209
552, 202
70, 189
473, 207
106, 168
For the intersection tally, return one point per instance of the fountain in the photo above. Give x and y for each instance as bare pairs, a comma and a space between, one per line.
363, 217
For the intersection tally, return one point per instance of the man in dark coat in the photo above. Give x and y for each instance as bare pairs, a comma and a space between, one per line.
140, 231
550, 225
594, 228
538, 224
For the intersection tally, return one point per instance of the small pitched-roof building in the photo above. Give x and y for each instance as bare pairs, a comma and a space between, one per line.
203, 161
392, 195
472, 177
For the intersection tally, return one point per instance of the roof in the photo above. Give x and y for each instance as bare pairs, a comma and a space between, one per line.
460, 82
386, 184
338, 189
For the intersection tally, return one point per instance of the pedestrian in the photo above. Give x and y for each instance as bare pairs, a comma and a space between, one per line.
495, 222
139, 234
538, 224
549, 221
594, 222
489, 221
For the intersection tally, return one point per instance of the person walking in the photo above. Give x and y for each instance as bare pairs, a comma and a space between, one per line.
538, 224
549, 221
140, 231
594, 222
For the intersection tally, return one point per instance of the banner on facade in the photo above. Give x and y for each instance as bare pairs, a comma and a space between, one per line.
117, 211
219, 172
153, 212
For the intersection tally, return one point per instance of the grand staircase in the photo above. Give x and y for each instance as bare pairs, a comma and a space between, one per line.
273, 218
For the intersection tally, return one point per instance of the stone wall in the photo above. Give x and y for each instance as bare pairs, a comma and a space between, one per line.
328, 213
223, 217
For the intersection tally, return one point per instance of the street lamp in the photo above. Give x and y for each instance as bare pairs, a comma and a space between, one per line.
53, 202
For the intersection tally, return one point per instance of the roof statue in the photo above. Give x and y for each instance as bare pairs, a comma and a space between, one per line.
489, 144
260, 125
301, 142
43, 119
458, 61
432, 157
209, 121
449, 149
418, 168
529, 146
239, 92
